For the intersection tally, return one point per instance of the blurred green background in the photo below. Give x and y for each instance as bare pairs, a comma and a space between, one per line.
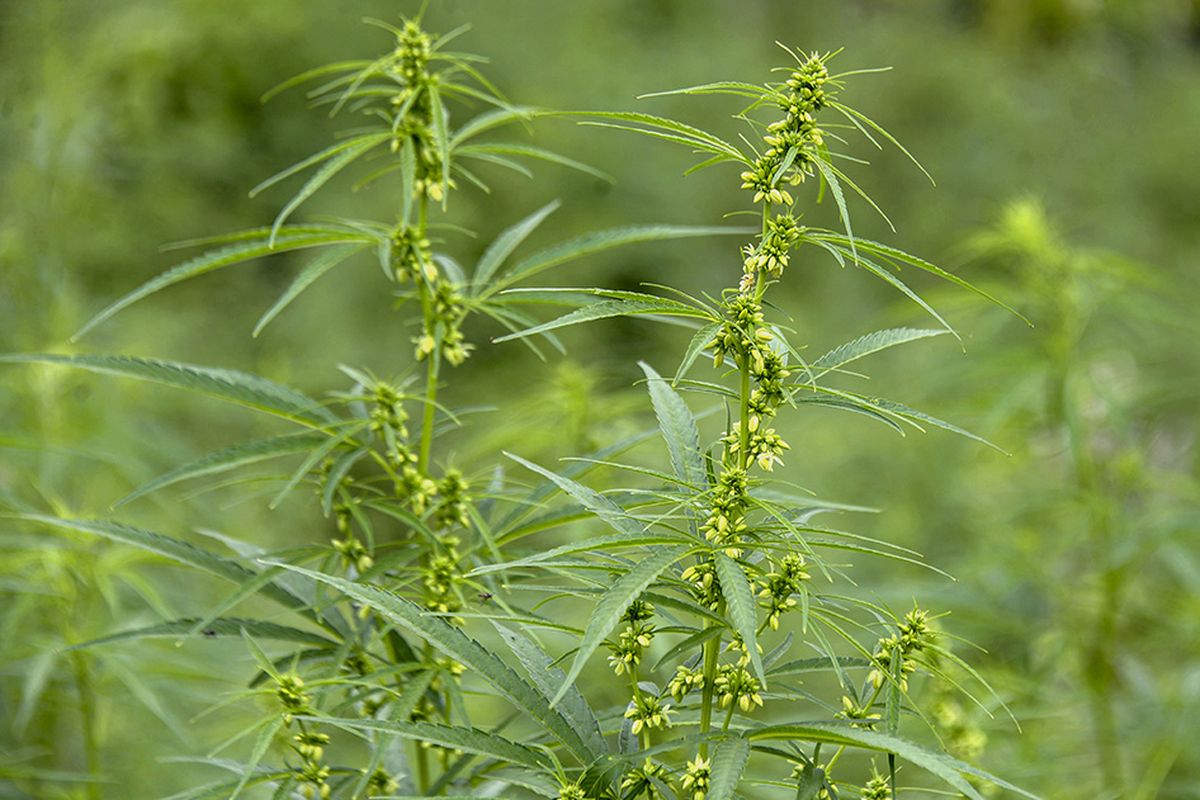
1065, 139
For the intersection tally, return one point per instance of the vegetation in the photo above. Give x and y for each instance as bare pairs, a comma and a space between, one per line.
395, 587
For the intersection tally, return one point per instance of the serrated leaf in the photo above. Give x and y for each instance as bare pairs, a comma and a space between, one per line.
597, 242
612, 606
699, 342
352, 150
285, 239
456, 644
504, 244
606, 309
616, 517
949, 769
311, 272
221, 626
174, 549
547, 678
470, 740
743, 608
238, 455
728, 764
678, 426
226, 384
868, 344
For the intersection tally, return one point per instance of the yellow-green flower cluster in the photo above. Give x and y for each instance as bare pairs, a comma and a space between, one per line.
289, 689
452, 507
684, 681
735, 684
381, 783
411, 254
572, 791
633, 639
860, 716
913, 636
442, 579
878, 787
792, 142
726, 522
645, 779
648, 712
772, 253
696, 778
779, 586
705, 586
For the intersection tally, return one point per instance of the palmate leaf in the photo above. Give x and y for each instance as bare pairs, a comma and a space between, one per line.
221, 626
470, 740
743, 608
866, 345
474, 656
592, 544
669, 129
728, 764
678, 426
239, 252
597, 242
613, 604
238, 455
541, 670
949, 769
237, 387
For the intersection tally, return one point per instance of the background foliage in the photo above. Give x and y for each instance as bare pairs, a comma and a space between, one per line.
1062, 136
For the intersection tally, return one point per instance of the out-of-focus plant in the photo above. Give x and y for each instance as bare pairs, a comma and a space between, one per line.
400, 511
1099, 522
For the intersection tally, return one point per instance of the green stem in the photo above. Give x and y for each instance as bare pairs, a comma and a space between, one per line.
711, 652
431, 382
87, 713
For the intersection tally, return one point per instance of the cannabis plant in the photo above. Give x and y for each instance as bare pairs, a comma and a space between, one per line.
701, 583
738, 660
396, 509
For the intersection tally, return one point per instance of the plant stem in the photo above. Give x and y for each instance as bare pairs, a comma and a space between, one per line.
87, 713
431, 381
711, 648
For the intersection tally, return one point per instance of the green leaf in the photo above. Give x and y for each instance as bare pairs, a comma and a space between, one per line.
238, 455
221, 626
728, 764
504, 244
613, 604
262, 245
456, 644
261, 745
318, 267
868, 344
678, 426
541, 670
743, 608
470, 740
687, 134
598, 242
828, 173
226, 384
616, 517
699, 342
174, 549
612, 308
350, 151
949, 769
535, 152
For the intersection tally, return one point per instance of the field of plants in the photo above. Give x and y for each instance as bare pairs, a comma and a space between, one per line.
599, 400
